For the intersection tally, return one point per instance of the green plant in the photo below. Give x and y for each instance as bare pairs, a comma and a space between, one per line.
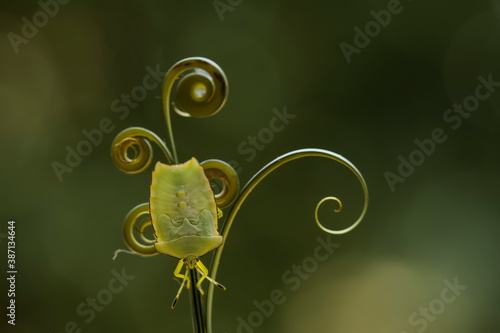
200, 90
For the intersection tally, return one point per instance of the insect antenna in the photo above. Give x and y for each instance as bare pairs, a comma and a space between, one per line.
122, 251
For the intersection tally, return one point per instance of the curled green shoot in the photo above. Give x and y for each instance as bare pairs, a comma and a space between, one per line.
256, 179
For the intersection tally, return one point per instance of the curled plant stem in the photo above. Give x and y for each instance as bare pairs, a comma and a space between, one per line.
143, 246
201, 91
135, 138
256, 179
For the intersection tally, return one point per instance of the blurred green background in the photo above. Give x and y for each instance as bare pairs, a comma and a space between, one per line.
440, 224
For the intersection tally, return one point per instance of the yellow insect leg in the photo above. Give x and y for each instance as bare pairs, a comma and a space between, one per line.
178, 274
198, 285
177, 271
204, 274
184, 278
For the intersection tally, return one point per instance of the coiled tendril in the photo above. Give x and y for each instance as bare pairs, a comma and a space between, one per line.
194, 87
256, 179
217, 169
200, 91
133, 139
146, 246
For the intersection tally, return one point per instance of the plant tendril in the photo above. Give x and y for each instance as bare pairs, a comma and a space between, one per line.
145, 247
336, 211
134, 138
217, 169
201, 91
255, 180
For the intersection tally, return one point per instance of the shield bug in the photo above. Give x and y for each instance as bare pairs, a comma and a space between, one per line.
184, 216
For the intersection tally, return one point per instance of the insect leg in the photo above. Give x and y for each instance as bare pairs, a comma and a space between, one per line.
204, 273
178, 269
198, 285
178, 274
184, 278
179, 292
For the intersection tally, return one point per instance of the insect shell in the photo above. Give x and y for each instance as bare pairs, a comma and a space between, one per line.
184, 217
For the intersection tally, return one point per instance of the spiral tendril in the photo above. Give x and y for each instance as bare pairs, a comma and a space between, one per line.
217, 169
256, 179
134, 138
336, 211
200, 91
134, 244
141, 230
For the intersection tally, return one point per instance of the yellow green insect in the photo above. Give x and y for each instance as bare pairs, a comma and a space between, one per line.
184, 217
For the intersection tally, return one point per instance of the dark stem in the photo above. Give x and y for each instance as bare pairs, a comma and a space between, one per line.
199, 325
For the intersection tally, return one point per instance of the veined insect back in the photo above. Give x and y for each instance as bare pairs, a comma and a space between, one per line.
184, 217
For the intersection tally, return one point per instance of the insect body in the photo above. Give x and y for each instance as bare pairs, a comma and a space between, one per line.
184, 217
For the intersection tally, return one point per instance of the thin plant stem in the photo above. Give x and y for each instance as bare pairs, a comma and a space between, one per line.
199, 325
